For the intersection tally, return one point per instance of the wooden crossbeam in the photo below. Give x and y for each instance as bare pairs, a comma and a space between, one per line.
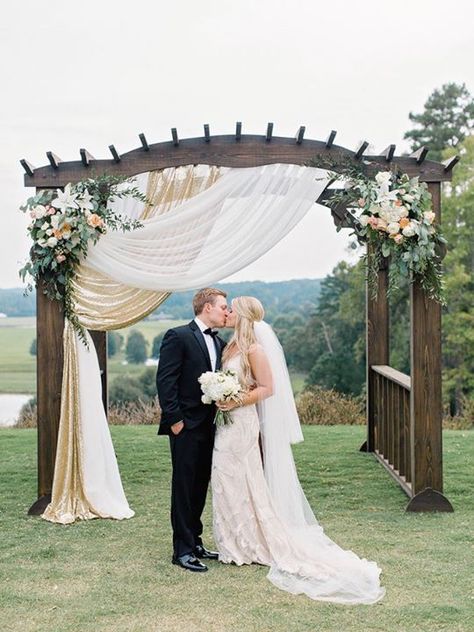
419, 155
28, 167
268, 136
86, 157
300, 134
451, 162
144, 142
330, 139
53, 159
207, 135
114, 153
389, 153
174, 134
360, 150
238, 130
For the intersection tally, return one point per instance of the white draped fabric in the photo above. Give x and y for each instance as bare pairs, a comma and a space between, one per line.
206, 238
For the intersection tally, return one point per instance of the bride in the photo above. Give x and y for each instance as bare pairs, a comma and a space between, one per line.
260, 513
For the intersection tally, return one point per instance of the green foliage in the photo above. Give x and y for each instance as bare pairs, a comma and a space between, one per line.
458, 318
447, 119
136, 348
124, 389
33, 347
114, 343
317, 406
155, 349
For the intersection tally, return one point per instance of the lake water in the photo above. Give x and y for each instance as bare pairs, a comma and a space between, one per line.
10, 406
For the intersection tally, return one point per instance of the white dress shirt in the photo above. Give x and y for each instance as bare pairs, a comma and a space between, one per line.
211, 347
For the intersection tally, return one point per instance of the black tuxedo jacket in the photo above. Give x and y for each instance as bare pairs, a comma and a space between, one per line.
183, 358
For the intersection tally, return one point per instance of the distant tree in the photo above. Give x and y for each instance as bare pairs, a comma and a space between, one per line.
33, 347
155, 348
147, 381
448, 118
136, 349
125, 388
114, 343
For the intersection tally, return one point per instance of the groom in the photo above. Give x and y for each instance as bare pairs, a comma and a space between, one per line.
187, 352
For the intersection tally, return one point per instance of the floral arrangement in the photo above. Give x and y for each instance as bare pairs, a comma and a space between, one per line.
64, 224
220, 386
393, 214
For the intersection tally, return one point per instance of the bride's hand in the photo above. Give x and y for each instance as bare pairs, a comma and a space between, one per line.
227, 405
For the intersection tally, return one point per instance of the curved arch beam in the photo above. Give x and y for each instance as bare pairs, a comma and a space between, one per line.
224, 151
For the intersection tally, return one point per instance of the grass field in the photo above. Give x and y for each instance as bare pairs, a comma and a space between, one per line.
18, 367
116, 576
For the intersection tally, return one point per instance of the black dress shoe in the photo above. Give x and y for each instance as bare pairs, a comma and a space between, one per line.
190, 563
203, 553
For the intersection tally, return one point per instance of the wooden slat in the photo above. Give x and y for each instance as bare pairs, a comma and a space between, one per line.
404, 484
451, 162
238, 130
360, 150
53, 159
269, 133
144, 142
28, 167
300, 134
330, 139
393, 375
419, 155
114, 153
174, 135
389, 152
86, 157
207, 134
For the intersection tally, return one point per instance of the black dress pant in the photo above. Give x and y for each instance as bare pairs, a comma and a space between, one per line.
191, 457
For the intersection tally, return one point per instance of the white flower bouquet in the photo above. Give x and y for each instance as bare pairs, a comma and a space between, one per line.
220, 386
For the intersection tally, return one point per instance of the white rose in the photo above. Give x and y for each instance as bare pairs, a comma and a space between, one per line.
39, 211
409, 230
52, 241
429, 216
364, 219
393, 228
45, 226
383, 177
206, 400
403, 211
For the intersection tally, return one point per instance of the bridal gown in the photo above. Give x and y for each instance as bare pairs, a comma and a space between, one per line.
247, 527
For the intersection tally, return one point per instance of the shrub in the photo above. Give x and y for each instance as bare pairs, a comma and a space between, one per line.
27, 415
136, 349
125, 389
317, 406
135, 413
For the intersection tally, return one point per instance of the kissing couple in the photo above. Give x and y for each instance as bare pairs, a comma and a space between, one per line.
260, 512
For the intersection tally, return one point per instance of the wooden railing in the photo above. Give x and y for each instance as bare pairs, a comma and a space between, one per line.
391, 418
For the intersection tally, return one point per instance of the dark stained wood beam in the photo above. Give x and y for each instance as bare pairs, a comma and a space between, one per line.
389, 152
174, 134
450, 163
269, 133
207, 134
238, 130
28, 167
114, 153
224, 151
86, 157
53, 159
330, 139
360, 150
300, 134
419, 155
144, 142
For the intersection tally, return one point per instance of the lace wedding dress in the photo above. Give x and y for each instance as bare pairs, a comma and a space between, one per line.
248, 527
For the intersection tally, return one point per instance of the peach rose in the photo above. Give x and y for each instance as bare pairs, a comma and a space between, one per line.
57, 233
404, 222
95, 221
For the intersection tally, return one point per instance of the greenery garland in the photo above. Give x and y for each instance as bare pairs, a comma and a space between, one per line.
63, 225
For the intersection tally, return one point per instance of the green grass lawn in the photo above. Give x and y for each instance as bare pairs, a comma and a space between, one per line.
116, 576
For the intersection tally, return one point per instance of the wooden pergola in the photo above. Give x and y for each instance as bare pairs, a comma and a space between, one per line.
404, 413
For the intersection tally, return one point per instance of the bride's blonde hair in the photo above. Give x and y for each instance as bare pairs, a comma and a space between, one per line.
248, 310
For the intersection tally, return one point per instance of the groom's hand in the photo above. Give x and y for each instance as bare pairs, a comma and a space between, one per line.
177, 427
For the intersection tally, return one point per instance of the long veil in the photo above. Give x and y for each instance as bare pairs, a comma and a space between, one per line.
328, 572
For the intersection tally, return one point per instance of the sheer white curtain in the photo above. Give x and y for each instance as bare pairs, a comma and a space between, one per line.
197, 243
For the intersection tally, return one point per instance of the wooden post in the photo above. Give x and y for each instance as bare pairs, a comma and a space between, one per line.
100, 343
49, 375
426, 411
377, 337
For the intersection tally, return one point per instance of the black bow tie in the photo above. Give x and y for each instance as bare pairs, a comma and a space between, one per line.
210, 332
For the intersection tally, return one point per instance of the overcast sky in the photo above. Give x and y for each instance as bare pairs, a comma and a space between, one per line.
88, 74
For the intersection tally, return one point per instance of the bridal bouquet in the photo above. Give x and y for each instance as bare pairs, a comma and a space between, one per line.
220, 386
